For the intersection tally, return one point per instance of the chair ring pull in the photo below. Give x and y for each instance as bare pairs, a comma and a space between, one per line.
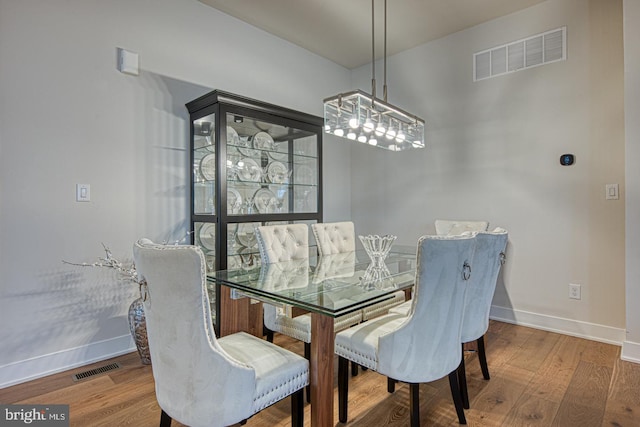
466, 271
503, 258
144, 290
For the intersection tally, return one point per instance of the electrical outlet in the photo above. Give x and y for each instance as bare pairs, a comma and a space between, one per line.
574, 291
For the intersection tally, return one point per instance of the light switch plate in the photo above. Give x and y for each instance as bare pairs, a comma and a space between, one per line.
83, 193
127, 62
611, 192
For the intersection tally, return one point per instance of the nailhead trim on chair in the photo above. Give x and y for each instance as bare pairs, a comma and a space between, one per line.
365, 360
289, 384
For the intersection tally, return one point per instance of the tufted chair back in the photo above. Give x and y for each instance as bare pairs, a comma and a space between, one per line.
279, 243
282, 276
183, 344
334, 266
334, 237
286, 242
338, 238
426, 346
445, 227
487, 260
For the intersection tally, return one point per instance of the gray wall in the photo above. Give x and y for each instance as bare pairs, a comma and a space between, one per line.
67, 116
493, 150
631, 347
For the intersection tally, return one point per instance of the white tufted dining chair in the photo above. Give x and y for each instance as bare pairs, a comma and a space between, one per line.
334, 237
425, 345
488, 259
288, 242
201, 380
340, 237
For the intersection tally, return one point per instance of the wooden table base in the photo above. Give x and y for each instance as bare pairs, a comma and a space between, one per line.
321, 370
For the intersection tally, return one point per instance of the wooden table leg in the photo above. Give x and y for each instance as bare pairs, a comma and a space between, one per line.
321, 370
234, 316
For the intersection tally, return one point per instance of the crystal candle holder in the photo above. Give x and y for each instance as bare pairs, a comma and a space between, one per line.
377, 247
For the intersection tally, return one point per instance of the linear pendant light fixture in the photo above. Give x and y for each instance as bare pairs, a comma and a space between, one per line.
362, 117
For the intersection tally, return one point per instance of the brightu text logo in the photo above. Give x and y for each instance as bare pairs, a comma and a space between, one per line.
34, 415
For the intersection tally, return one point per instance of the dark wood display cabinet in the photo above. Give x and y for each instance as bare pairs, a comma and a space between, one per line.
253, 163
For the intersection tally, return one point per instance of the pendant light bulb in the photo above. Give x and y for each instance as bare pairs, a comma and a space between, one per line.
368, 125
362, 138
373, 141
400, 136
351, 134
391, 133
353, 122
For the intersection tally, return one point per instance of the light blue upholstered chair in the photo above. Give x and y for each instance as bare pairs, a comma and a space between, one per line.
423, 346
449, 227
201, 380
488, 259
446, 227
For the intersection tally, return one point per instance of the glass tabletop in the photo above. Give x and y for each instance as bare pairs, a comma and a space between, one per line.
332, 284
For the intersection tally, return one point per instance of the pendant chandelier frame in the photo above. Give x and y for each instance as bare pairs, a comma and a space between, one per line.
363, 117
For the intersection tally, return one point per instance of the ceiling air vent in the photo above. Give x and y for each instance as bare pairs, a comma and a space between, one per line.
533, 51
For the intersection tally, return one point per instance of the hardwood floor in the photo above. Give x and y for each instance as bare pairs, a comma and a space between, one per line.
537, 379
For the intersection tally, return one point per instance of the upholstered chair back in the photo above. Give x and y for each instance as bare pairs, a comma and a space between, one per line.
334, 237
188, 363
283, 276
445, 227
339, 265
279, 243
426, 346
286, 242
487, 260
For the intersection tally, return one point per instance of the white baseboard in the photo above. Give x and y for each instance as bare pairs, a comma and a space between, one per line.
41, 366
576, 328
631, 351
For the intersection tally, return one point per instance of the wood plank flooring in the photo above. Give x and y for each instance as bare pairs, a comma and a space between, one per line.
538, 378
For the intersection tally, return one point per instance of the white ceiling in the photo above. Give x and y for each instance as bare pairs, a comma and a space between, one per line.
340, 30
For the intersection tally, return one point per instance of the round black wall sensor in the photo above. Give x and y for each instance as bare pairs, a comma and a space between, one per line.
567, 159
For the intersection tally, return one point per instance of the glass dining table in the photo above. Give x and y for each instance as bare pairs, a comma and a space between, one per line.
326, 286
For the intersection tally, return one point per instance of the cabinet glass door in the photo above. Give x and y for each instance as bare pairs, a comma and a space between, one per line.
204, 166
271, 168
